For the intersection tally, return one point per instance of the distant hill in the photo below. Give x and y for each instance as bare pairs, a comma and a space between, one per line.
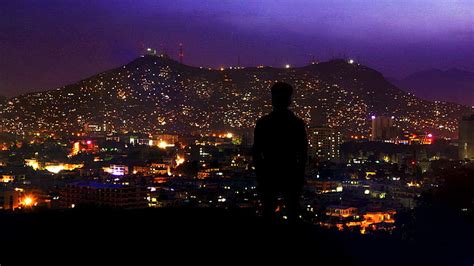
3, 101
452, 85
158, 94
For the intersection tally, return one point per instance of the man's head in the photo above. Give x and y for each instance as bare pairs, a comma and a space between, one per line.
281, 95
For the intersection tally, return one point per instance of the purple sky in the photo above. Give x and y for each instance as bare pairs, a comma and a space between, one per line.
46, 44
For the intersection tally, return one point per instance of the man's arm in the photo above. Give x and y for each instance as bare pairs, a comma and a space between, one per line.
257, 155
302, 149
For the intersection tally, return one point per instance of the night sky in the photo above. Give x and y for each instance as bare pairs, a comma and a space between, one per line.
46, 44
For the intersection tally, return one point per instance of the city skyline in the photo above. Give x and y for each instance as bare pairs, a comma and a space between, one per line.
232, 128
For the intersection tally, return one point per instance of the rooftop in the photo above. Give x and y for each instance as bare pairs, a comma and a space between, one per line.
96, 185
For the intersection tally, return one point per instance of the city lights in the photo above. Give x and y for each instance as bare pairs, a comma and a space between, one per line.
162, 144
179, 160
28, 201
237, 110
303, 128
56, 168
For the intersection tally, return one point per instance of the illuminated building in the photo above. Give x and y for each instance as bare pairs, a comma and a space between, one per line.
370, 174
210, 173
7, 178
140, 140
378, 220
324, 186
58, 167
163, 141
420, 138
349, 217
204, 153
163, 144
383, 128
116, 169
9, 198
33, 163
52, 167
76, 147
341, 211
214, 139
203, 175
102, 194
85, 146
94, 128
466, 137
428, 140
3, 147
161, 168
153, 169
324, 143
168, 138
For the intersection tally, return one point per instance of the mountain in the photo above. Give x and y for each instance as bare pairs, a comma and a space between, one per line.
158, 94
452, 85
3, 100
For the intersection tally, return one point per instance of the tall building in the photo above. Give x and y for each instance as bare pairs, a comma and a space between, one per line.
9, 198
102, 194
324, 142
466, 137
383, 128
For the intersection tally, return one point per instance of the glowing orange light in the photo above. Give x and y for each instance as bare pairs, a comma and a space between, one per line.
179, 160
28, 201
162, 145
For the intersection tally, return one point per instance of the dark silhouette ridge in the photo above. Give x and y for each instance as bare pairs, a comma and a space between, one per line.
89, 236
452, 85
280, 154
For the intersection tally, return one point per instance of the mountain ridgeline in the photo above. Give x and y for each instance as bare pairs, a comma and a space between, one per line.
157, 94
455, 85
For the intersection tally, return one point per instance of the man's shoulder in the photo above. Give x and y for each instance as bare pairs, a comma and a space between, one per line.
298, 120
264, 119
274, 117
301, 121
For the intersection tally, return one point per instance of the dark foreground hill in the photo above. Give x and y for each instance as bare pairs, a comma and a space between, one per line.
217, 236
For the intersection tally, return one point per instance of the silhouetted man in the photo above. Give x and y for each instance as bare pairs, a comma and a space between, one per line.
279, 153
